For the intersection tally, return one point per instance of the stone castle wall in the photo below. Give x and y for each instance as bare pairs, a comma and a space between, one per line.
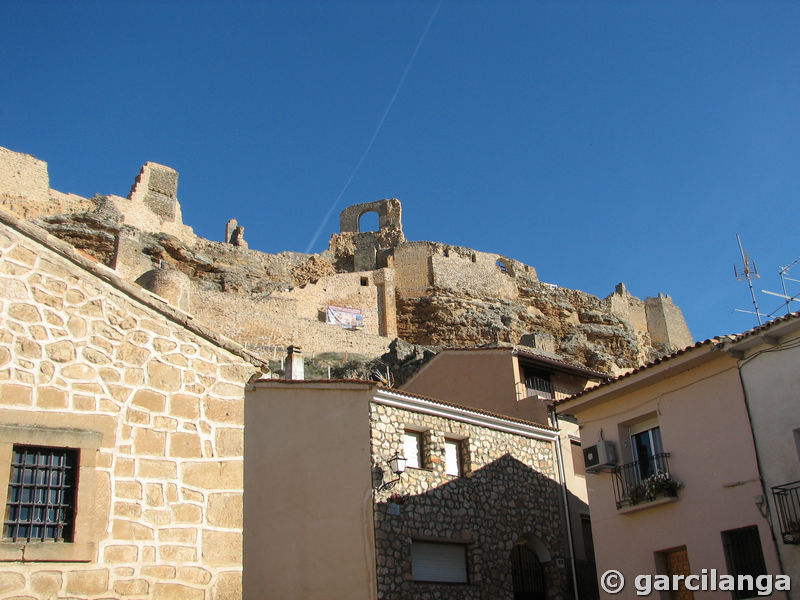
352, 290
509, 490
665, 322
155, 404
269, 322
23, 176
442, 294
25, 188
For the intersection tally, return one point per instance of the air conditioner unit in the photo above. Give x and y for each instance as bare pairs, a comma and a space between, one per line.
600, 456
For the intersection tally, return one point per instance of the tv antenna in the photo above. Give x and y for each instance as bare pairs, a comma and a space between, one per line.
748, 272
782, 272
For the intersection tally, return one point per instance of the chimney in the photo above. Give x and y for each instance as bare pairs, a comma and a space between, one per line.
294, 363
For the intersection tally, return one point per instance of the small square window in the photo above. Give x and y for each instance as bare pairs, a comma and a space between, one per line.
412, 449
452, 457
364, 281
439, 562
41, 494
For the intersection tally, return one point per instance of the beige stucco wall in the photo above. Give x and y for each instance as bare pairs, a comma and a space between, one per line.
157, 410
483, 379
704, 425
771, 380
308, 507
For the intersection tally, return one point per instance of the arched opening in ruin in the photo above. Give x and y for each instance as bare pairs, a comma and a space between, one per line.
527, 568
502, 265
368, 221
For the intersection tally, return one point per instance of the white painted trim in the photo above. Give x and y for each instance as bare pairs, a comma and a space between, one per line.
435, 409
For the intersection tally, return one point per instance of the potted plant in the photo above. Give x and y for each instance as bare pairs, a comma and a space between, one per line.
654, 486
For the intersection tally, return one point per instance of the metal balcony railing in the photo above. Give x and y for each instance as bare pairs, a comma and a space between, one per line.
787, 501
644, 481
538, 386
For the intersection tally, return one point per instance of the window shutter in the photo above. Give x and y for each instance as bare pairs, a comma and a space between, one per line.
440, 562
452, 459
411, 449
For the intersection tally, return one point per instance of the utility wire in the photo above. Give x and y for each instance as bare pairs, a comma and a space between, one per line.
377, 129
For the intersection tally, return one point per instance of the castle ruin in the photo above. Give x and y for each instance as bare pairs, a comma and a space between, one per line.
429, 293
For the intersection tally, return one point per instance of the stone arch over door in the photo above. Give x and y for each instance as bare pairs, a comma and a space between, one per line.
389, 215
528, 558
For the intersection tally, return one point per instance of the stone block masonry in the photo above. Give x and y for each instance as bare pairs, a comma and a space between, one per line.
154, 404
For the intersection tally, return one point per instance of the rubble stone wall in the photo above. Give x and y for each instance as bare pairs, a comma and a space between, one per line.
509, 490
351, 290
460, 275
157, 410
262, 324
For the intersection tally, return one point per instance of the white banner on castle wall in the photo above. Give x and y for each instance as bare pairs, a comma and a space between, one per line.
348, 318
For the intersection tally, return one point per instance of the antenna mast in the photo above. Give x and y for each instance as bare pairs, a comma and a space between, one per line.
748, 273
785, 295
783, 271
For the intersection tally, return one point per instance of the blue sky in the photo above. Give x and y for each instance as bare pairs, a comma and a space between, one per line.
597, 141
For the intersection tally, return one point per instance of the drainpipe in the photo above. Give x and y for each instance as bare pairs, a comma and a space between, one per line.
563, 475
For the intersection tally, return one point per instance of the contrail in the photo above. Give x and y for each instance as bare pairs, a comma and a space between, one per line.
377, 129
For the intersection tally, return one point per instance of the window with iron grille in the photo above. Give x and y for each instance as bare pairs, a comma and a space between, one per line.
743, 555
41, 494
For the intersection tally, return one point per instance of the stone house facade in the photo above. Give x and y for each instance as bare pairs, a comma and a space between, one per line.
121, 434
524, 382
478, 512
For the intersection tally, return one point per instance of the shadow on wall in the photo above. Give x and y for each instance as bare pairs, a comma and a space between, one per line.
498, 531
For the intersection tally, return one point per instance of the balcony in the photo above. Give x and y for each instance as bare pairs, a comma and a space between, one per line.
644, 482
787, 501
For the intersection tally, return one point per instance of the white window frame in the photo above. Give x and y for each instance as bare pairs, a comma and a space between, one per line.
453, 460
648, 426
412, 449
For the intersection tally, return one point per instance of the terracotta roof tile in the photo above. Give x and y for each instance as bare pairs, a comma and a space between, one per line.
712, 341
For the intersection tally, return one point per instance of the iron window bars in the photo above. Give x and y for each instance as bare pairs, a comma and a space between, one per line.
41, 494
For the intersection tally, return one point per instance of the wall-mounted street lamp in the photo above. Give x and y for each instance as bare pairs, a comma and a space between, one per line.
397, 465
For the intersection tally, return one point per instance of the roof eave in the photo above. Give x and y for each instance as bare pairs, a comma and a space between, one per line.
652, 374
